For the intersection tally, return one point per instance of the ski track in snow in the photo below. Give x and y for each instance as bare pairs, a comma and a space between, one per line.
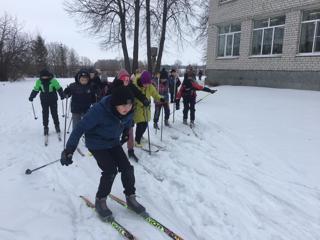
250, 173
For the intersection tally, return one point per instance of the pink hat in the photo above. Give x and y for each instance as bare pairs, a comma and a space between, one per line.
122, 74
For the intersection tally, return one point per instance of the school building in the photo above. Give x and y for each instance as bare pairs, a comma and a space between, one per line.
268, 43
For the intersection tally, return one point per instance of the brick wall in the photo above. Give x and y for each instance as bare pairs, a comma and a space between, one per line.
243, 11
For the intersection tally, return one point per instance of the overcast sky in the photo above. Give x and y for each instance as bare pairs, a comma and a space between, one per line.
48, 18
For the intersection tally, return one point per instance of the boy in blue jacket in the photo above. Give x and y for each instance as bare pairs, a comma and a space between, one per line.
103, 125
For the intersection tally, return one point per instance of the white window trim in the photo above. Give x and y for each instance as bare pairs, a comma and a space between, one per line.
309, 54
317, 25
265, 56
225, 44
262, 39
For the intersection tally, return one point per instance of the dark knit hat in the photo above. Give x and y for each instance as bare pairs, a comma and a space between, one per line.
121, 95
45, 73
146, 77
122, 74
82, 73
163, 74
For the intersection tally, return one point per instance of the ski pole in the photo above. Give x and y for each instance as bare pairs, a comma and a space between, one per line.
174, 98
63, 115
145, 116
34, 113
29, 171
65, 126
162, 107
69, 125
203, 97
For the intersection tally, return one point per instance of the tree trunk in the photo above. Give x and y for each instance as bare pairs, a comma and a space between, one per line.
136, 36
122, 16
163, 35
148, 26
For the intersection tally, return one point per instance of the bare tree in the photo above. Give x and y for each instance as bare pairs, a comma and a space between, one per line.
107, 19
171, 17
202, 25
14, 49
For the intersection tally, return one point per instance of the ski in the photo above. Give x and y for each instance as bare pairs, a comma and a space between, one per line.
158, 146
46, 140
158, 178
117, 226
153, 150
80, 152
194, 132
150, 220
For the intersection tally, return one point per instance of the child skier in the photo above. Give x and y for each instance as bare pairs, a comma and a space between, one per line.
48, 88
82, 96
123, 79
174, 84
162, 85
103, 125
188, 93
95, 82
142, 114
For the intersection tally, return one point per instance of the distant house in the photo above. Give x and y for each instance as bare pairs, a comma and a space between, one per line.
268, 43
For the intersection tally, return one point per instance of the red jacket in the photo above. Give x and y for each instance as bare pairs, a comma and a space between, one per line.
188, 89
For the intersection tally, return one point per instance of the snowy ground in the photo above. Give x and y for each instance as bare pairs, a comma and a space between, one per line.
252, 173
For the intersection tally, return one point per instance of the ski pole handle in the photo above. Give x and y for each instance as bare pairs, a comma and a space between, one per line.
28, 171
34, 113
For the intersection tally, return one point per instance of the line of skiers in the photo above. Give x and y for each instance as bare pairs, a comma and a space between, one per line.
108, 123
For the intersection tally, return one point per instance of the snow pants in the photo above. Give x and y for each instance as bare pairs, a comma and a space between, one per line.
140, 129
157, 111
111, 161
189, 104
45, 112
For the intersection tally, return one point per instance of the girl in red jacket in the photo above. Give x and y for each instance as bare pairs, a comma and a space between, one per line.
188, 92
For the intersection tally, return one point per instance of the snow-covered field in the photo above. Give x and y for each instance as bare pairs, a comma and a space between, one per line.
252, 173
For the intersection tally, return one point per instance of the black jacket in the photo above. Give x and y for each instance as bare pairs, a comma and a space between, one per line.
82, 97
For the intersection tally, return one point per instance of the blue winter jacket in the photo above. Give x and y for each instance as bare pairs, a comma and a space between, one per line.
102, 128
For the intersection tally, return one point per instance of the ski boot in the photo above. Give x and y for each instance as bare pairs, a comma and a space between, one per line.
57, 128
156, 126
192, 124
134, 205
45, 131
138, 145
132, 155
185, 121
166, 123
102, 209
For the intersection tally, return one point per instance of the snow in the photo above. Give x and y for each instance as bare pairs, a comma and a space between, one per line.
252, 172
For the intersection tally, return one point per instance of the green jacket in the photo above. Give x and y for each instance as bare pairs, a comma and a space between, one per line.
48, 90
142, 113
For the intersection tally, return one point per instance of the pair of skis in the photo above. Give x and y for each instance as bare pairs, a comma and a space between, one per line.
126, 233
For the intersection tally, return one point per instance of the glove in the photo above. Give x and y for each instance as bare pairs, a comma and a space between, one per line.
125, 136
146, 102
177, 104
162, 100
30, 99
213, 91
66, 157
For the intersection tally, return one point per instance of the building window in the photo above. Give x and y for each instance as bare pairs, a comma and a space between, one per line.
268, 36
310, 32
229, 40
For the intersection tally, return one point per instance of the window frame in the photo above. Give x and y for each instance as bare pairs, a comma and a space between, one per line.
230, 33
317, 26
271, 54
